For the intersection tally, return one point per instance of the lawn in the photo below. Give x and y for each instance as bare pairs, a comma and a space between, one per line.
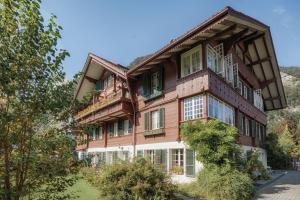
84, 191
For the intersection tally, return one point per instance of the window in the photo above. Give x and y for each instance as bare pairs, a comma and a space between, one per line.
215, 58
152, 84
111, 130
177, 161
191, 61
193, 107
247, 126
190, 163
156, 120
220, 110
120, 127
108, 81
127, 127
157, 157
98, 133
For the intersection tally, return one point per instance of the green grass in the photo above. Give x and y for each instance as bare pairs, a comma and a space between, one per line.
84, 191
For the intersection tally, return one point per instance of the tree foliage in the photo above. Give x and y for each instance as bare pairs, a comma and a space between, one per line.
136, 180
35, 109
214, 142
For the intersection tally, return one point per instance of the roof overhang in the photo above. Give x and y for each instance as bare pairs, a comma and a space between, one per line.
232, 27
92, 71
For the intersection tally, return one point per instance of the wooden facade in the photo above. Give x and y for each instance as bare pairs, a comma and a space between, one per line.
241, 36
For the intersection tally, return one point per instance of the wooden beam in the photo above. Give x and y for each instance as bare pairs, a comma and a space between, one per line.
246, 37
199, 38
229, 42
259, 61
272, 98
268, 54
225, 31
252, 39
266, 83
262, 69
90, 79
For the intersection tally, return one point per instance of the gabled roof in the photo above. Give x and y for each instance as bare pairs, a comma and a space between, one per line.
92, 71
231, 25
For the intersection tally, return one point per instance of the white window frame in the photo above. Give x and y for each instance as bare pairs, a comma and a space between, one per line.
116, 129
228, 115
189, 54
192, 107
155, 120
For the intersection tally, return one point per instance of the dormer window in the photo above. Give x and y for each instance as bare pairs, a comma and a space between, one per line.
191, 61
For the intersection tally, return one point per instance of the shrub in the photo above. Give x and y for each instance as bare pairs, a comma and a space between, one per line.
255, 167
137, 180
212, 141
224, 183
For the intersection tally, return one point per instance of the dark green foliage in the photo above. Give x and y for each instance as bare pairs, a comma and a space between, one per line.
277, 159
293, 70
137, 180
223, 176
222, 183
213, 142
253, 164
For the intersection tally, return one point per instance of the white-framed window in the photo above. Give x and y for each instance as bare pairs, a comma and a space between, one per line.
219, 110
193, 107
177, 161
191, 61
127, 127
155, 120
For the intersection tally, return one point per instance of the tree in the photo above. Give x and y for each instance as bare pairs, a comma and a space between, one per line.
214, 142
35, 101
286, 142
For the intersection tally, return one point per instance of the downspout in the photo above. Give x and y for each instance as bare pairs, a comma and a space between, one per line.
133, 108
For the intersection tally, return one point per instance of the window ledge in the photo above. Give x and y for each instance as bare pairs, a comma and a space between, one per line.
153, 96
154, 132
119, 136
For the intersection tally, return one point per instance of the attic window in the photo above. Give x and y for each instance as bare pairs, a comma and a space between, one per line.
191, 61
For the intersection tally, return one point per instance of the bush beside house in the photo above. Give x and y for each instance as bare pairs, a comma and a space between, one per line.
136, 180
226, 174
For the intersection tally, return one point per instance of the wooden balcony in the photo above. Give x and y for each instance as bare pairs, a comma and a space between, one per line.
107, 108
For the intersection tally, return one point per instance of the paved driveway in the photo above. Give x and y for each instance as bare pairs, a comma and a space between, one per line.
285, 188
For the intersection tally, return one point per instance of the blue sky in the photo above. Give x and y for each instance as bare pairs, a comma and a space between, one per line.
121, 30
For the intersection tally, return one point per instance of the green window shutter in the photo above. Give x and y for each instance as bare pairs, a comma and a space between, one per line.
161, 117
190, 163
146, 85
160, 79
146, 121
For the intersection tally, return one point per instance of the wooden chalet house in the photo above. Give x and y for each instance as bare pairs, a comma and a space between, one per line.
225, 68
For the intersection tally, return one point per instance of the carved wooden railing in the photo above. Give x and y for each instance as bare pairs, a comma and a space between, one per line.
103, 102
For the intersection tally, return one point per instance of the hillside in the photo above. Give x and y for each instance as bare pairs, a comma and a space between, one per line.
291, 115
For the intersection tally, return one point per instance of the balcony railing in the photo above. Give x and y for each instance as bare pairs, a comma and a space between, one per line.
105, 101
